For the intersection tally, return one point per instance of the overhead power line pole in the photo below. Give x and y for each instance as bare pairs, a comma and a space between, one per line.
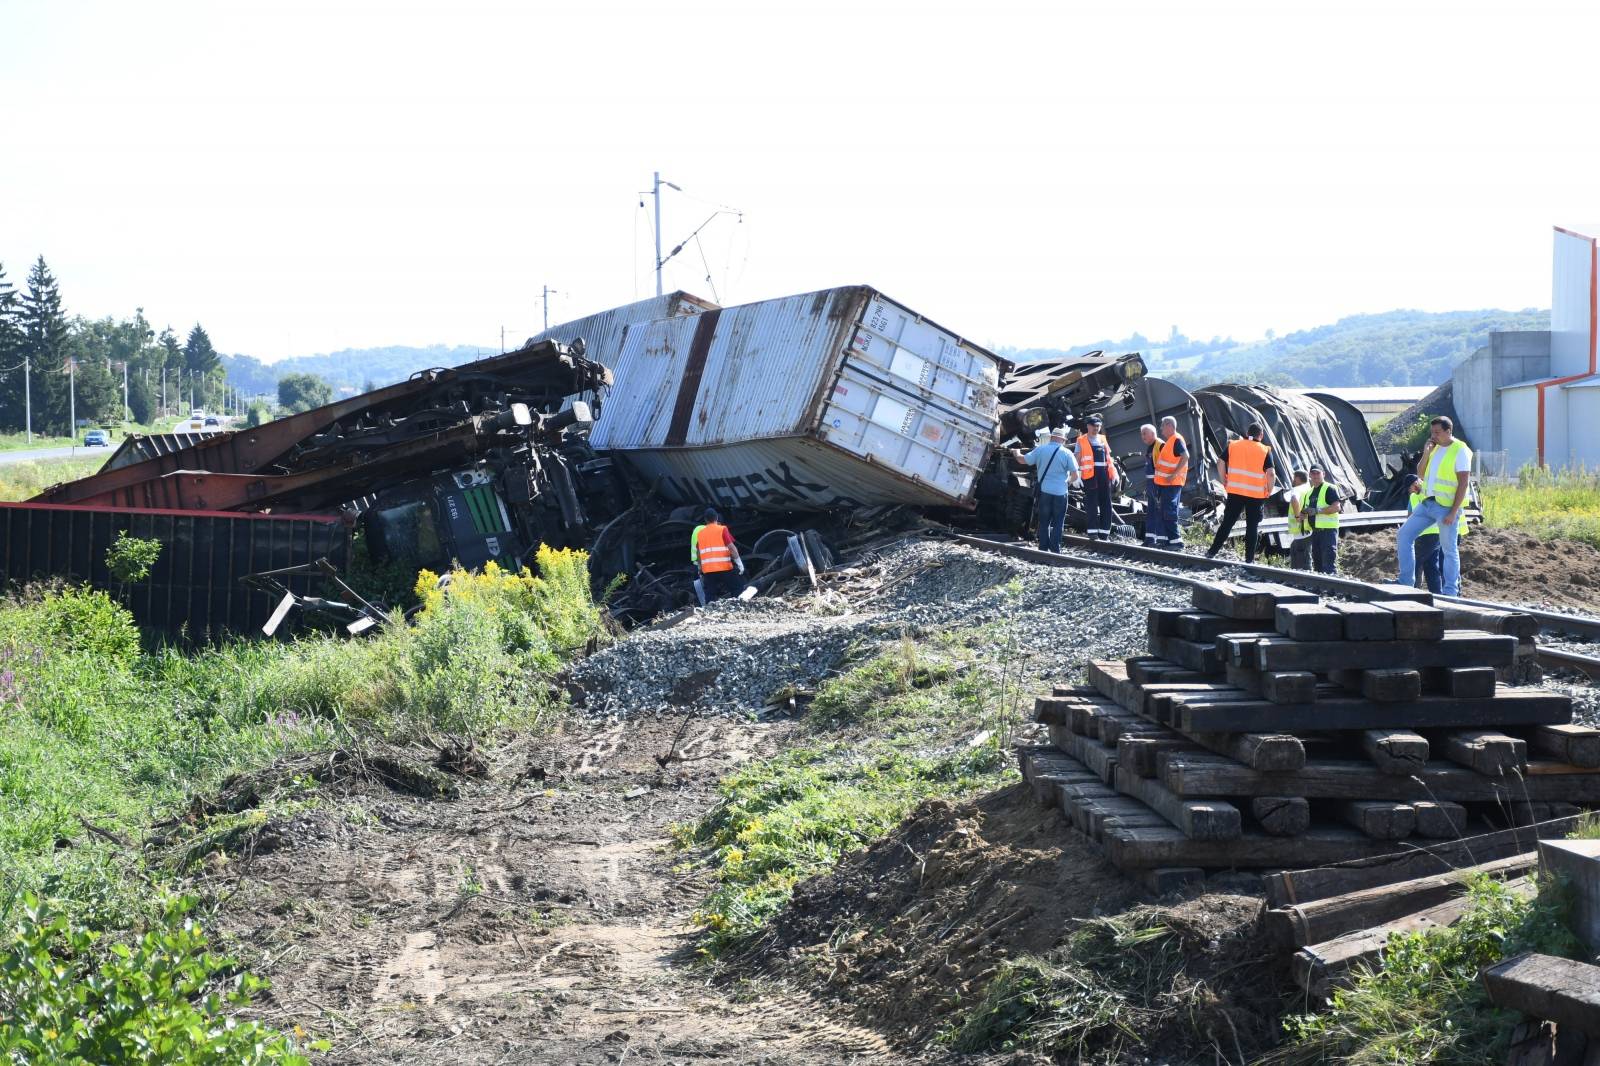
27, 399
655, 190
548, 292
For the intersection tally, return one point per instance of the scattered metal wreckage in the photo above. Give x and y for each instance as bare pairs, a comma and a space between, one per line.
811, 421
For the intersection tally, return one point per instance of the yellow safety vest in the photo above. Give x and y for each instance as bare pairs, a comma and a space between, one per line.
1318, 519
1446, 480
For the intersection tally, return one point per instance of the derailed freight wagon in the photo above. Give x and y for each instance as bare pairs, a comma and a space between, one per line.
832, 399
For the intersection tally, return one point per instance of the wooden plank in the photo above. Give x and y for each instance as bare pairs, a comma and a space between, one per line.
1208, 819
1151, 671
1139, 752
1563, 991
1281, 816
1134, 849
1278, 686
1201, 714
1487, 751
1202, 658
1321, 920
1390, 591
1380, 819
1284, 887
1163, 621
1385, 686
1575, 744
1440, 819
1203, 628
1506, 623
1271, 752
1212, 775
1365, 621
1458, 647
1319, 969
1415, 621
1309, 621
1166, 880
1395, 751
1234, 601
1099, 758
1465, 681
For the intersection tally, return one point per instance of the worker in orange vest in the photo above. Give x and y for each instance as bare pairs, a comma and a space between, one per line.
1248, 475
1099, 476
712, 549
1171, 471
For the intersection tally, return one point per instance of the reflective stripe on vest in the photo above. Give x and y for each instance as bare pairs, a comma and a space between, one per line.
1446, 479
1247, 469
1171, 468
1085, 457
715, 555
1317, 498
1300, 526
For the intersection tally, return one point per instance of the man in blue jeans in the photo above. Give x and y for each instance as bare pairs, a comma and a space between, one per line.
1445, 469
1054, 468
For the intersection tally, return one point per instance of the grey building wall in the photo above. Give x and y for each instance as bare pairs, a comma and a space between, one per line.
1510, 357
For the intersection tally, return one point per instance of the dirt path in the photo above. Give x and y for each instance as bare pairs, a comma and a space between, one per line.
540, 918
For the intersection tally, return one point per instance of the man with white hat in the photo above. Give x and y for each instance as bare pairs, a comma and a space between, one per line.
1054, 469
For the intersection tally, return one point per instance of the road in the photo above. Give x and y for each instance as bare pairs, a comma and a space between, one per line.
29, 455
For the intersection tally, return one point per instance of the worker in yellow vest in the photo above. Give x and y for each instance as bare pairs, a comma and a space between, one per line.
1299, 521
712, 549
1322, 508
1430, 557
1248, 475
1446, 473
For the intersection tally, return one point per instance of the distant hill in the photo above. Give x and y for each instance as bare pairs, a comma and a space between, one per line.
1392, 348
349, 368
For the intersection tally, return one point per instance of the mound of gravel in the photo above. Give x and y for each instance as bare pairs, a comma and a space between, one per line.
734, 657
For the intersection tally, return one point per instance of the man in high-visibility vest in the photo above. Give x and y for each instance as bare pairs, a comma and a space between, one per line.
1322, 508
1248, 475
1299, 522
1430, 559
712, 549
1446, 472
1099, 476
1171, 474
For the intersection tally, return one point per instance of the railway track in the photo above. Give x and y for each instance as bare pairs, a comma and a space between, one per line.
1179, 566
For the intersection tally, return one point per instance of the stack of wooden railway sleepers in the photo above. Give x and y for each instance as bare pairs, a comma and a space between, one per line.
1270, 730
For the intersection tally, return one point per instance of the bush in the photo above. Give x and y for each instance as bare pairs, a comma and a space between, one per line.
70, 621
63, 998
130, 558
1547, 503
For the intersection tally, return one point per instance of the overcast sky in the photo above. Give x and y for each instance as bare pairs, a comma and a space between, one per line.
301, 177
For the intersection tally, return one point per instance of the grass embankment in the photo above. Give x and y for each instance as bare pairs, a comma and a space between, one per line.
104, 738
14, 442
20, 481
1550, 504
913, 722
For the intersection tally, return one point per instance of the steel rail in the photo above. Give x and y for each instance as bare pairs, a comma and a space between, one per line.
1363, 590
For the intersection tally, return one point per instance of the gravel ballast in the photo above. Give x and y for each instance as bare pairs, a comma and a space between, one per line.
734, 657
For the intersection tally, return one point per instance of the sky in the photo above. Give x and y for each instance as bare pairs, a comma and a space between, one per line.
301, 177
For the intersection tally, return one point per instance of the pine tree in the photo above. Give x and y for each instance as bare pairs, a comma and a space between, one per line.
11, 376
45, 339
202, 360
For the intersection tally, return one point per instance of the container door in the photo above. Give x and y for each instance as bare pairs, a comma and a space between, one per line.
913, 397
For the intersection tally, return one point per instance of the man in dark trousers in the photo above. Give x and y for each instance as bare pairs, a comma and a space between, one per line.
1322, 507
1054, 468
711, 548
1099, 478
1248, 475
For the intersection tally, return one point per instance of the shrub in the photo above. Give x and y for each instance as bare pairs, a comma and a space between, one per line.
73, 620
130, 558
159, 1000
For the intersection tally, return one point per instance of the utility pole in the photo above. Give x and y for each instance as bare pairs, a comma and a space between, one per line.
163, 390
502, 340
655, 190
27, 399
72, 400
548, 292
127, 412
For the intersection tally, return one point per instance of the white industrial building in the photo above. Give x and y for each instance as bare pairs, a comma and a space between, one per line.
1536, 395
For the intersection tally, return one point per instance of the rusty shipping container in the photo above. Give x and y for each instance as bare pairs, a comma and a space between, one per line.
602, 333
835, 398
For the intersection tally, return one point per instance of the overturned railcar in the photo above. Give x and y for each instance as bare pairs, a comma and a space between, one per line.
833, 399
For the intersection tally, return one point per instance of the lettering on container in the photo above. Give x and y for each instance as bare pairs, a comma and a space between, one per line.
780, 485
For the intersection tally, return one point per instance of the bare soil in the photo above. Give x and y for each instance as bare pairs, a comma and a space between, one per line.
1496, 564
905, 935
541, 917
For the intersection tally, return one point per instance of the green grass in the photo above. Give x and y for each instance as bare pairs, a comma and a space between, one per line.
1550, 504
913, 722
1426, 1003
19, 481
12, 442
103, 738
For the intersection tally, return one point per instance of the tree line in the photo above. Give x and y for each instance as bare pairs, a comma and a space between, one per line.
53, 365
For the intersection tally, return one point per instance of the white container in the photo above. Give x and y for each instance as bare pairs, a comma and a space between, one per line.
837, 398
602, 332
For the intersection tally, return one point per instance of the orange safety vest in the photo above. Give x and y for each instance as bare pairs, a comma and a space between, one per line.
1172, 468
715, 555
1086, 456
1247, 469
